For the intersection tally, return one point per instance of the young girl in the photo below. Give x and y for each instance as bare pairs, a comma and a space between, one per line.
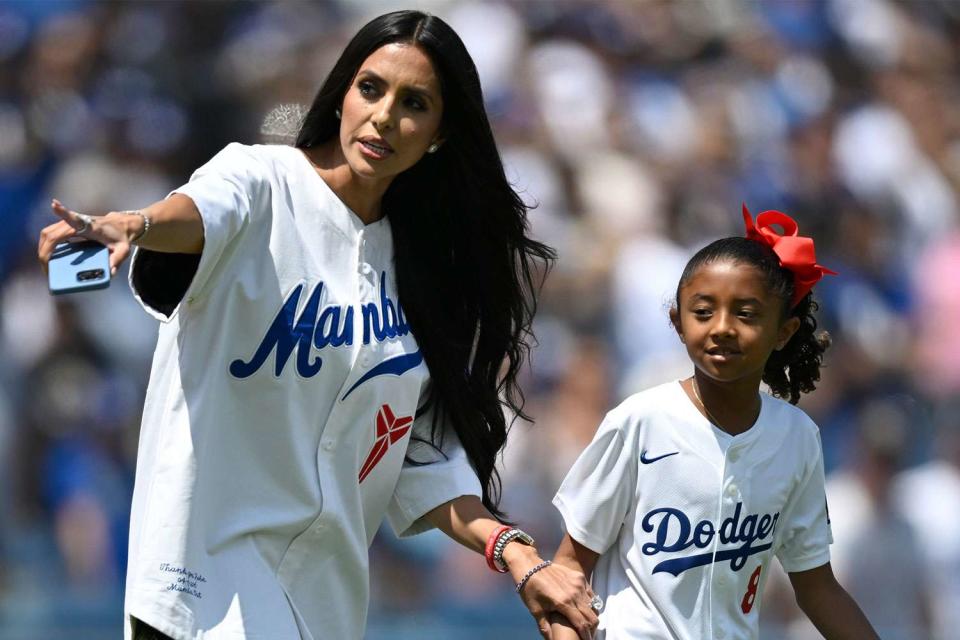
689, 489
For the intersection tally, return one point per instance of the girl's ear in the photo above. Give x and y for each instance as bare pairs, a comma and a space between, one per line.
787, 329
675, 321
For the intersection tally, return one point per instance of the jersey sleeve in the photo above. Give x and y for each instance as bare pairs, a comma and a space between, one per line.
429, 478
599, 489
225, 191
805, 533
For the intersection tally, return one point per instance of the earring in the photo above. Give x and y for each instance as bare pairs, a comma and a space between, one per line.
433, 148
337, 113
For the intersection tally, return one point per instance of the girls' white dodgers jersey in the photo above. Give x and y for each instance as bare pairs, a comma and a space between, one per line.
279, 413
686, 517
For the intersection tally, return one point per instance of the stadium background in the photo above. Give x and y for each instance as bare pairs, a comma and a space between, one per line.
638, 127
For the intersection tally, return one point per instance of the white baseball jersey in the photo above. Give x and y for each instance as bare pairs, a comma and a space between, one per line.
687, 517
278, 415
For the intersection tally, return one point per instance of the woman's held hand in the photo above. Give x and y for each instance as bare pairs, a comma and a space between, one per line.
113, 230
553, 589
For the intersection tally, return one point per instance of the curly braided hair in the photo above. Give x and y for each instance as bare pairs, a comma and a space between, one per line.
796, 368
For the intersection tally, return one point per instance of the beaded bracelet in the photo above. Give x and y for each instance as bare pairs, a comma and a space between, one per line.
146, 224
523, 580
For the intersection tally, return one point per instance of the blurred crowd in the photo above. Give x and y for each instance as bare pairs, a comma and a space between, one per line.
637, 128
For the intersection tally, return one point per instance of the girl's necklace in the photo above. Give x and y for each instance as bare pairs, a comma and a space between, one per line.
696, 394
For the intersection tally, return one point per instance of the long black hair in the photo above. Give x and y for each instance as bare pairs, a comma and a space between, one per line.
467, 273
795, 368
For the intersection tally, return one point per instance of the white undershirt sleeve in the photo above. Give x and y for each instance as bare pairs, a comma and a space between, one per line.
600, 488
805, 532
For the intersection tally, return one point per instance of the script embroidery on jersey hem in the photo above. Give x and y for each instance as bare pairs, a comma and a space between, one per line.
186, 581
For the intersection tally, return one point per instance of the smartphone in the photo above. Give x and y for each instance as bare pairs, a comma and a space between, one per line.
79, 266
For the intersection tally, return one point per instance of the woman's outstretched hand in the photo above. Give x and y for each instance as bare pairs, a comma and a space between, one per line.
174, 226
114, 230
553, 589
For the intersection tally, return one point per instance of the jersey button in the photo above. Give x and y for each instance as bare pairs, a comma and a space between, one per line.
732, 490
734, 455
328, 445
365, 360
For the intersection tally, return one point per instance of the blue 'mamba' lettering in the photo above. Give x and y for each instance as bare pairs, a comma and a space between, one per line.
330, 331
286, 335
385, 321
333, 326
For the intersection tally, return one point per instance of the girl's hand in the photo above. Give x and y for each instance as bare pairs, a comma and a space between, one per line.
553, 589
560, 629
114, 230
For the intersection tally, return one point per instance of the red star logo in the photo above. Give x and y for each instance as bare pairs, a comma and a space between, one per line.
389, 430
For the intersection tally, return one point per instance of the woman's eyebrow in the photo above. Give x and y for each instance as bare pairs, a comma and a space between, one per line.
418, 90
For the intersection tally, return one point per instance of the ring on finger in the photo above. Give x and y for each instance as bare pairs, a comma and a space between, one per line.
596, 603
86, 220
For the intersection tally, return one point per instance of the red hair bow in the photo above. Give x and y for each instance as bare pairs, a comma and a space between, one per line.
796, 253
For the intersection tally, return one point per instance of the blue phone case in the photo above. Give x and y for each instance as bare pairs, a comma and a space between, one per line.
79, 266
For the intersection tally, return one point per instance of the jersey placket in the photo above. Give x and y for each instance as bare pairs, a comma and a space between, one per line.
296, 555
720, 581
361, 356
366, 292
714, 548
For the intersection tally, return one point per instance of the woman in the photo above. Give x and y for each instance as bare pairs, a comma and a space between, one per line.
294, 401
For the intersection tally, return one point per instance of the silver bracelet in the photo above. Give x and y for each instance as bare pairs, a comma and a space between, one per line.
505, 539
146, 225
523, 581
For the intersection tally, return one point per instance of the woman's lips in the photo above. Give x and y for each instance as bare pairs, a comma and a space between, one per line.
375, 150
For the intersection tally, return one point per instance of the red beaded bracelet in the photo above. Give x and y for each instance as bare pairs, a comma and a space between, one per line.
491, 544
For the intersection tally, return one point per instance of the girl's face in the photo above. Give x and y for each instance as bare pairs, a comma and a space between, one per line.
391, 112
730, 322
